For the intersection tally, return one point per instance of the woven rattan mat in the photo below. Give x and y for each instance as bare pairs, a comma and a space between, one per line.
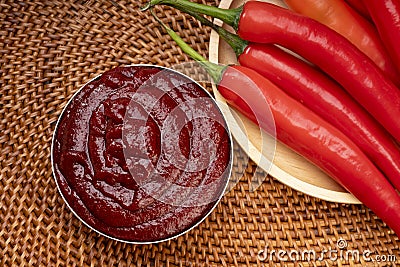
48, 49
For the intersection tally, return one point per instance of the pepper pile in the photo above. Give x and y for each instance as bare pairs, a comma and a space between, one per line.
341, 112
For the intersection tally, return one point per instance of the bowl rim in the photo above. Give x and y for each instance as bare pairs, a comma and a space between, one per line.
217, 201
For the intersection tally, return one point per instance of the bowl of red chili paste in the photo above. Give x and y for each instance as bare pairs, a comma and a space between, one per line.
141, 154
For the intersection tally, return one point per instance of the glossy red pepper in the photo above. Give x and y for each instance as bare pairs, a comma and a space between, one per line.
319, 93
263, 22
305, 132
359, 7
386, 16
329, 100
340, 17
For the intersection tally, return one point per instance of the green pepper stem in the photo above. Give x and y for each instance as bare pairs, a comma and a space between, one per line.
238, 44
214, 70
229, 16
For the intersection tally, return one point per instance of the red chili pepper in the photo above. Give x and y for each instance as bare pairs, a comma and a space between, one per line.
359, 6
267, 23
305, 132
337, 15
321, 94
386, 16
262, 22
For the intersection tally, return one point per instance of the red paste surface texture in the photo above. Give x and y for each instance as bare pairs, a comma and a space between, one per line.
116, 161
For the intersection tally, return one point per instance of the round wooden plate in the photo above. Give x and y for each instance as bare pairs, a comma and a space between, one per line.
272, 156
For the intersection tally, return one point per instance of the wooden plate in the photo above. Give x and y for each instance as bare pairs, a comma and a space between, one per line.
272, 156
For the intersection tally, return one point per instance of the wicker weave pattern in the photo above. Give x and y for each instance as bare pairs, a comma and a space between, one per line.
48, 50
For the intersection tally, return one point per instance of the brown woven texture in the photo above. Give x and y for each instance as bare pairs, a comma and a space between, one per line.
48, 49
